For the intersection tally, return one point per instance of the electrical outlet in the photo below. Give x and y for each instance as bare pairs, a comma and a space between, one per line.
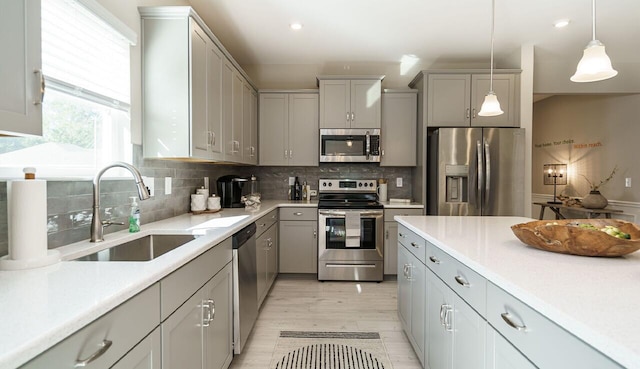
399, 182
150, 183
292, 181
167, 185
627, 182
313, 193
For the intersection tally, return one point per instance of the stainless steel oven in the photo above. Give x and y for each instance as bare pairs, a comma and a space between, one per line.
350, 231
350, 145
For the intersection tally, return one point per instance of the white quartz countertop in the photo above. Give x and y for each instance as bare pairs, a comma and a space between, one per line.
40, 307
596, 299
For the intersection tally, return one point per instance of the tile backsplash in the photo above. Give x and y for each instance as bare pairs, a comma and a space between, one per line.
69, 203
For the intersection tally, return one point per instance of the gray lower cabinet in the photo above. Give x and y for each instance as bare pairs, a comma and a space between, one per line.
503, 355
411, 298
391, 237
198, 332
456, 333
298, 236
473, 323
266, 261
106, 340
146, 354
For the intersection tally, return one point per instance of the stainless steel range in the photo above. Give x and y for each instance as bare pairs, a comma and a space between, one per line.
350, 231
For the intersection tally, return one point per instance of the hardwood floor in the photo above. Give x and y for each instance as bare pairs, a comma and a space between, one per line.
303, 303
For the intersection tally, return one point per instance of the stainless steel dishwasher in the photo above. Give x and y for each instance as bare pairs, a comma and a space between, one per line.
245, 285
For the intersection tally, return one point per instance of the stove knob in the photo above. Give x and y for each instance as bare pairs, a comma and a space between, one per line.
371, 184
366, 184
324, 184
359, 184
330, 184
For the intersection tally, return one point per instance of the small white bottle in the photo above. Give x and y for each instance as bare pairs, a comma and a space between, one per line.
134, 216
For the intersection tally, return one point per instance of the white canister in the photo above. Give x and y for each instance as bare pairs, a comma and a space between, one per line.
198, 202
213, 203
382, 192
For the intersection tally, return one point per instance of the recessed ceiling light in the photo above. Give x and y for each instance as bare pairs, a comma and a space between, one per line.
296, 26
561, 23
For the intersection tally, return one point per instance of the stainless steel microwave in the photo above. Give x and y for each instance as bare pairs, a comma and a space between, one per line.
350, 145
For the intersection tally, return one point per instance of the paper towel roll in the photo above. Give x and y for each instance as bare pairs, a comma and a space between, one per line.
27, 219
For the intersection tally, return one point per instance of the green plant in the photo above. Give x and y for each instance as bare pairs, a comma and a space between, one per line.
595, 187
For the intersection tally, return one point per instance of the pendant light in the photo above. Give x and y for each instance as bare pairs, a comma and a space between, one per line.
595, 65
491, 105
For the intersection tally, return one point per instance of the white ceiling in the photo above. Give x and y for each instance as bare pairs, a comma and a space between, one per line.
257, 32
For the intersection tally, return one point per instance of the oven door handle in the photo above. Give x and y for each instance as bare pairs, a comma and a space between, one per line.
332, 212
375, 213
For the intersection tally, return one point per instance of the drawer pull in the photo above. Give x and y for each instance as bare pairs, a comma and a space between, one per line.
415, 245
434, 260
298, 213
104, 346
401, 235
263, 225
461, 281
507, 318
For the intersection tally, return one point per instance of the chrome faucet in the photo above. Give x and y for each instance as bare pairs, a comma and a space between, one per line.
97, 226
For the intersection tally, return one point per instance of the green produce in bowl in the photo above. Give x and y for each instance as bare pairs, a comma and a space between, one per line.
610, 230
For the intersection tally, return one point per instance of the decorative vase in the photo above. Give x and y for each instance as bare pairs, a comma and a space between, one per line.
594, 200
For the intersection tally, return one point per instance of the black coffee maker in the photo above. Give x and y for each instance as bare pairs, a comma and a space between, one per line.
230, 190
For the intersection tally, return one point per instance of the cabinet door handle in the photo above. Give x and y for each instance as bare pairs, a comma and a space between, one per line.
42, 86
507, 318
448, 319
353, 116
401, 235
104, 346
212, 308
434, 260
468, 112
415, 245
206, 313
213, 138
315, 233
442, 314
410, 272
461, 281
382, 152
386, 234
347, 117
474, 113
298, 213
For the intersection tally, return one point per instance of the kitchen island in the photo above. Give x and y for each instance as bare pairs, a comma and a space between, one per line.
594, 299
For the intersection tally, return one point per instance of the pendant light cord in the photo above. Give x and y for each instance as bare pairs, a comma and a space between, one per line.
493, 15
593, 18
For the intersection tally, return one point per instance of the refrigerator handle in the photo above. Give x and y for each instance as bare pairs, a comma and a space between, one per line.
480, 172
487, 165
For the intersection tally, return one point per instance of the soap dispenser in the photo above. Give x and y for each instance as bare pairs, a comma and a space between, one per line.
134, 216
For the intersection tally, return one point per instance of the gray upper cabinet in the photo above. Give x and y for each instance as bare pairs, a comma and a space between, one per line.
289, 133
454, 99
193, 92
399, 125
21, 73
350, 102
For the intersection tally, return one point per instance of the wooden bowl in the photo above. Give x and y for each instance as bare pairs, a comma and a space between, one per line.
564, 236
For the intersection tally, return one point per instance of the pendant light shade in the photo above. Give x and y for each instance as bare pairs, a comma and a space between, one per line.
491, 106
595, 65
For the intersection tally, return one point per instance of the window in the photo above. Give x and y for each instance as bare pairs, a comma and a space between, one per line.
86, 119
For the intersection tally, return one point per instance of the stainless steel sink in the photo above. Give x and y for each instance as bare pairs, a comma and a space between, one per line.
142, 249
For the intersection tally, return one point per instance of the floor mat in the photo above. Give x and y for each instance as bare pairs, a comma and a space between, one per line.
329, 350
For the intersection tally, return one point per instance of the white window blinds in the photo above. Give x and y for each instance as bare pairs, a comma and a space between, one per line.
84, 55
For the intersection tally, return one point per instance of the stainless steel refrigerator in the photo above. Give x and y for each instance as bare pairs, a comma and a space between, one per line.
475, 171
